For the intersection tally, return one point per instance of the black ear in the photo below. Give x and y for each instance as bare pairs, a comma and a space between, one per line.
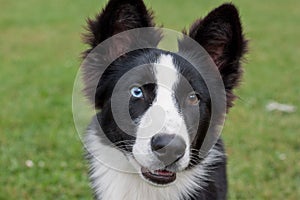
220, 33
117, 16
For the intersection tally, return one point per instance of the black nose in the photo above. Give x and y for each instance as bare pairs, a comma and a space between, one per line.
168, 147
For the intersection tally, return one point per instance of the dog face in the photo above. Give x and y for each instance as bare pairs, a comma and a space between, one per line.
168, 102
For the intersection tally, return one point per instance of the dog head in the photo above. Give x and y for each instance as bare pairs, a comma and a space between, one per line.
167, 100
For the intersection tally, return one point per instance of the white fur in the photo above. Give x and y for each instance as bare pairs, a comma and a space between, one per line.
118, 181
161, 117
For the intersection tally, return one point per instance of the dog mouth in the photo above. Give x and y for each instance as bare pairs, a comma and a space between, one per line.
158, 177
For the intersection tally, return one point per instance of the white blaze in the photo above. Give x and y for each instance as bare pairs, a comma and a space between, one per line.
162, 116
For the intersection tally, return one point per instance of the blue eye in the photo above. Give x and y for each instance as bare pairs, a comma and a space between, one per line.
136, 92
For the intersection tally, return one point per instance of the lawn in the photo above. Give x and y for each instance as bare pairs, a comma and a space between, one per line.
40, 151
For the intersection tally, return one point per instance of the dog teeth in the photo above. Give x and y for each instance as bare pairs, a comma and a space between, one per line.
159, 172
163, 172
155, 172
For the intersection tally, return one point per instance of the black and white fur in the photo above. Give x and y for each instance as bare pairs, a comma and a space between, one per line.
220, 34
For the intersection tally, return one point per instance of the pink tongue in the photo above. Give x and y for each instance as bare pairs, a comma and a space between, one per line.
163, 172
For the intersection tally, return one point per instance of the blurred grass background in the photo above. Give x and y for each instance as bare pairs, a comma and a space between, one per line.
39, 58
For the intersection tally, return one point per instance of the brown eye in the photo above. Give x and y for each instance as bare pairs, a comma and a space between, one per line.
193, 98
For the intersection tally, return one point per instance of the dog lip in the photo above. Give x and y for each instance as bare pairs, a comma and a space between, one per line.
159, 177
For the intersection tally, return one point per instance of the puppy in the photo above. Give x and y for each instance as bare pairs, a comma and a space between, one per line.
158, 153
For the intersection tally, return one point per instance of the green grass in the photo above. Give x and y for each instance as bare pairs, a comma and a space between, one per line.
39, 58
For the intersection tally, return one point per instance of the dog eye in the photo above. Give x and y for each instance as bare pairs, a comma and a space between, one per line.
193, 98
136, 92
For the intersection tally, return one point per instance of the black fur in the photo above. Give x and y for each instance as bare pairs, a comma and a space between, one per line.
220, 33
116, 17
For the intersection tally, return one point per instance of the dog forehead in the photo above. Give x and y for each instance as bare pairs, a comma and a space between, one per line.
166, 73
167, 77
152, 67
176, 76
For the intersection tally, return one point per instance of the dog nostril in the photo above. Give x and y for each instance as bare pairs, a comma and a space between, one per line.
168, 148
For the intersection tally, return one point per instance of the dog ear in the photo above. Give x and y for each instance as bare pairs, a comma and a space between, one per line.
116, 17
220, 34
